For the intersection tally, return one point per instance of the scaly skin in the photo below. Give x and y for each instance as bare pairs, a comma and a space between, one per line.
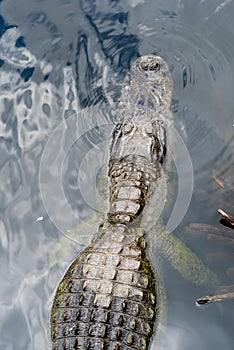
108, 297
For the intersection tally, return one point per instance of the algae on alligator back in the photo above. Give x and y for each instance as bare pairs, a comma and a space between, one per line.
110, 297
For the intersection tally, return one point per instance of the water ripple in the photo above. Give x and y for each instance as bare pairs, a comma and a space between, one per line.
62, 65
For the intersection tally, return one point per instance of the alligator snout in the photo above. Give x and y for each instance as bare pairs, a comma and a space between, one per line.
149, 63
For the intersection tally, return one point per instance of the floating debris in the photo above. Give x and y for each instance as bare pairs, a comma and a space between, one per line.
223, 293
40, 218
227, 217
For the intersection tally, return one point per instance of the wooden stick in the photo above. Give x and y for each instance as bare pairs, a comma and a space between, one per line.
227, 217
223, 293
215, 298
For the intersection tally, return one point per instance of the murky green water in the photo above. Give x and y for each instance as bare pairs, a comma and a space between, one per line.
62, 64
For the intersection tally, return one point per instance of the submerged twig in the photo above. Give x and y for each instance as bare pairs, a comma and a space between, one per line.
211, 233
216, 179
206, 229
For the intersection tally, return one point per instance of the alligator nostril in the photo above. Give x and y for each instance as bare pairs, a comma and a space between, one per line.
149, 65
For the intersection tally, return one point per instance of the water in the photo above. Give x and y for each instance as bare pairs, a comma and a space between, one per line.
62, 65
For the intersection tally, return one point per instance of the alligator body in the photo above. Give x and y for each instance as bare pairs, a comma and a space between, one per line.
108, 297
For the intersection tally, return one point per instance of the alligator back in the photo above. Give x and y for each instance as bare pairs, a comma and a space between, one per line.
107, 299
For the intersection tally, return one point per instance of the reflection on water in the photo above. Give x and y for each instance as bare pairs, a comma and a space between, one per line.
62, 64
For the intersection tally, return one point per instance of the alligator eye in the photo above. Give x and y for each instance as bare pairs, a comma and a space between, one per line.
148, 129
127, 128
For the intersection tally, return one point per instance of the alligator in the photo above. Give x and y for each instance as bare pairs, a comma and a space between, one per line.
109, 296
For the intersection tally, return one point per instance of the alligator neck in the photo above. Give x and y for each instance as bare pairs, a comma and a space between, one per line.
132, 181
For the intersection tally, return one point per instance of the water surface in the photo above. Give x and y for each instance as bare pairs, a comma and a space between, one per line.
62, 64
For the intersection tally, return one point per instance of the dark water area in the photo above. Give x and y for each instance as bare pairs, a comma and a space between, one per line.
62, 64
